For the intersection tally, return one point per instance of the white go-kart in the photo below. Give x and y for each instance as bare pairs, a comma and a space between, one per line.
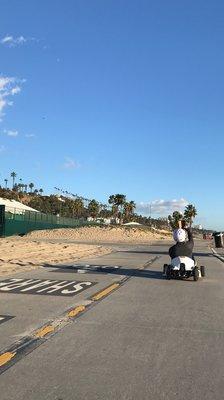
183, 267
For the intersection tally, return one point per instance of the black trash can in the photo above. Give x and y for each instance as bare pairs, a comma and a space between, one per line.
218, 236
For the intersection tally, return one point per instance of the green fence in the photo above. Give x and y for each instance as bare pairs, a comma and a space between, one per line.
16, 221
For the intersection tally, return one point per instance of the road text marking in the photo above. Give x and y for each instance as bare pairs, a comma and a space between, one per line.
87, 268
46, 287
5, 318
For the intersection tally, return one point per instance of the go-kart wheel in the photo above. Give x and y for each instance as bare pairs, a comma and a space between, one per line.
196, 274
168, 273
202, 268
164, 269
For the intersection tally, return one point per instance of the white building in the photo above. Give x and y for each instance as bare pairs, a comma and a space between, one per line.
106, 221
15, 207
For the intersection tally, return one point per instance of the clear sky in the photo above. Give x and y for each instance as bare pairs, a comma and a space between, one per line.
101, 97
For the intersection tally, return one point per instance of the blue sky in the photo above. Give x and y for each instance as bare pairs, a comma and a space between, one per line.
101, 97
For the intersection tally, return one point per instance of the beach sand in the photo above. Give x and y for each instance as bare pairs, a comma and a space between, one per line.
36, 249
22, 254
95, 234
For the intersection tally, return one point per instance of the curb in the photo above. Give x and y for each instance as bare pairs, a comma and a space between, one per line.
215, 254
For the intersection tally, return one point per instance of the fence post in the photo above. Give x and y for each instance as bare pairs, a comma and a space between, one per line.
2, 220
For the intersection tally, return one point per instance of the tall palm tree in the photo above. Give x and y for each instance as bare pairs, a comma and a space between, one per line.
6, 183
174, 219
31, 186
19, 186
129, 207
117, 201
190, 213
93, 208
13, 176
41, 191
77, 207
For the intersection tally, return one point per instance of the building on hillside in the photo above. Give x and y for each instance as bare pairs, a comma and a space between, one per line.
105, 221
198, 227
15, 207
132, 223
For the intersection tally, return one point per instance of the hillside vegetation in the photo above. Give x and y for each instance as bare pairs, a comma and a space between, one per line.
118, 208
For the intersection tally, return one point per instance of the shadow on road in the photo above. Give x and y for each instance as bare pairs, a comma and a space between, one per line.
132, 272
153, 252
151, 274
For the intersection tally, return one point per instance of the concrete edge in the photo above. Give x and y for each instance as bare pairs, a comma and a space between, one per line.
215, 254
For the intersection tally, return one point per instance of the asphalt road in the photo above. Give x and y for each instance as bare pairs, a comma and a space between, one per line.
149, 339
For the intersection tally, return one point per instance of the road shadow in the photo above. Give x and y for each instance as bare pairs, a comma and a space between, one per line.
127, 272
154, 252
134, 272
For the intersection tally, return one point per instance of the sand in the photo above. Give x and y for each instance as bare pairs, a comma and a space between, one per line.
22, 254
97, 234
35, 250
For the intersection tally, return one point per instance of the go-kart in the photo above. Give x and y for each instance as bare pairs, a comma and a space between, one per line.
183, 267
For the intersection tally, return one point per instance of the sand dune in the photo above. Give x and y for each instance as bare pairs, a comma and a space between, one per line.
102, 234
19, 254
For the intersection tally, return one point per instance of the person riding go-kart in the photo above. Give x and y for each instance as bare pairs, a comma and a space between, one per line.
183, 263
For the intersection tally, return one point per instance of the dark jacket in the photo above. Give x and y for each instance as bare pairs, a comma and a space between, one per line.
184, 249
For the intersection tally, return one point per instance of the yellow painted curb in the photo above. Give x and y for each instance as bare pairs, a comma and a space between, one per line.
76, 311
105, 292
44, 331
5, 357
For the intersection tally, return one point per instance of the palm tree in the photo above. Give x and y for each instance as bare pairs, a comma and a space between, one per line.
13, 176
174, 219
41, 191
93, 208
31, 186
76, 207
190, 213
6, 182
22, 187
16, 187
117, 201
129, 207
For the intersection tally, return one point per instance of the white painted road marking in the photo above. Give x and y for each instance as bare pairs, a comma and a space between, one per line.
41, 286
87, 268
4, 318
